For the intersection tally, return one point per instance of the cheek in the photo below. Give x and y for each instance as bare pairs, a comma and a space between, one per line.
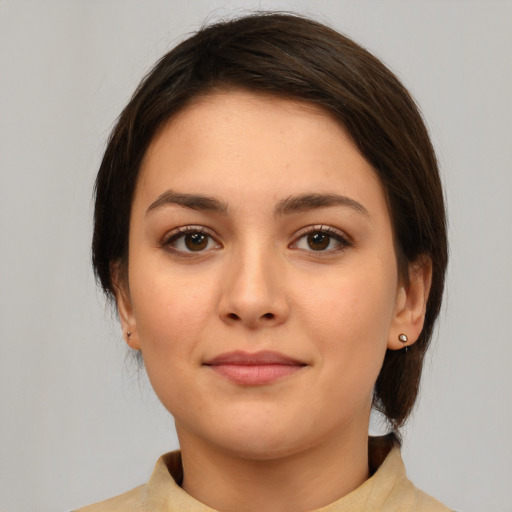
360, 302
172, 315
350, 320
170, 310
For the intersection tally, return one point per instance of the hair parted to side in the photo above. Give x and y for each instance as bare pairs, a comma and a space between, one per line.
293, 57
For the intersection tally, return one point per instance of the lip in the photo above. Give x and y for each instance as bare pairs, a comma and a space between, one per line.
254, 369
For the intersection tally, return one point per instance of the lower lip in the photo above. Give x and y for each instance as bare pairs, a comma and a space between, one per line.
255, 375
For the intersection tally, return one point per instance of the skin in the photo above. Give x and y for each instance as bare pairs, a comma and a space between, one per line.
298, 442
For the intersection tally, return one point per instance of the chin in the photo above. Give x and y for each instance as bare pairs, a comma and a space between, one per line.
264, 449
267, 440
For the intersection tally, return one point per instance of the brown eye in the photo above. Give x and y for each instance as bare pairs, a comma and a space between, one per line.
321, 239
196, 241
190, 239
318, 241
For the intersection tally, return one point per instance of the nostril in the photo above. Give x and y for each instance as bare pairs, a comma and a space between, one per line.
236, 317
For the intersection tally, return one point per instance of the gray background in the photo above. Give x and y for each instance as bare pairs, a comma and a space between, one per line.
78, 423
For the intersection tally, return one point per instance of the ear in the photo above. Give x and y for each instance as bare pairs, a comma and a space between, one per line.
124, 306
411, 304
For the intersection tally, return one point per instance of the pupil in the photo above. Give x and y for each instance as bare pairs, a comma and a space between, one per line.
318, 241
196, 241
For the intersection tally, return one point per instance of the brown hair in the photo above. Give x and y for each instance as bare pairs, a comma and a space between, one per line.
291, 56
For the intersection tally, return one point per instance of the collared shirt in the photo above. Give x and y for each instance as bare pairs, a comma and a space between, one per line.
387, 490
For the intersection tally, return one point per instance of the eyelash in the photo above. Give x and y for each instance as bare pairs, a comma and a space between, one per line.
342, 240
333, 234
180, 233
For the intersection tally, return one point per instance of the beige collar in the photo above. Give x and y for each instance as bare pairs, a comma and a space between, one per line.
388, 489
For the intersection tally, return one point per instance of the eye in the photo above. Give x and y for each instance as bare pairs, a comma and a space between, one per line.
190, 239
320, 239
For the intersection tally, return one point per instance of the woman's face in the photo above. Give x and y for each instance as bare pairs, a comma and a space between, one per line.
262, 279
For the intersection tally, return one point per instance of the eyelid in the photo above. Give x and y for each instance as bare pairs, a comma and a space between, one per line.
342, 237
181, 231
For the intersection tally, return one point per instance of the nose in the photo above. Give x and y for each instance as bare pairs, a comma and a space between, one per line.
253, 291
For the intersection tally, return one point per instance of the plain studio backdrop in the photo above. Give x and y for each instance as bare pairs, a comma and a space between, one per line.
78, 422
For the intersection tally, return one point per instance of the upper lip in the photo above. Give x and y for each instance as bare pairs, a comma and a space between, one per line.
242, 358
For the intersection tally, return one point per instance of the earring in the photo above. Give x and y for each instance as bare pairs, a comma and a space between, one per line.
128, 334
403, 338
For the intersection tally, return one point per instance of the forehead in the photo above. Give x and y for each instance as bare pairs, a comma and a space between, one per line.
235, 141
206, 117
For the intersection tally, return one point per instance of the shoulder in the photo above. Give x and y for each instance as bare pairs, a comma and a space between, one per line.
161, 494
389, 489
404, 495
425, 503
131, 500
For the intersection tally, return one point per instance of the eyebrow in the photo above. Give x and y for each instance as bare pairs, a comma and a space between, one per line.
304, 202
191, 201
292, 204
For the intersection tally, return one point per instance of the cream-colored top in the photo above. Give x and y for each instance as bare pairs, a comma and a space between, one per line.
388, 490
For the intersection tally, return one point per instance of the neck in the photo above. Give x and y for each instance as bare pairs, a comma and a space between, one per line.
296, 482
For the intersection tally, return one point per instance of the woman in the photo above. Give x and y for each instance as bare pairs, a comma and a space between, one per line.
270, 224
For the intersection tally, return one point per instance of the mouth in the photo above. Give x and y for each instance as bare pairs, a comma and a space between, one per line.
254, 369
